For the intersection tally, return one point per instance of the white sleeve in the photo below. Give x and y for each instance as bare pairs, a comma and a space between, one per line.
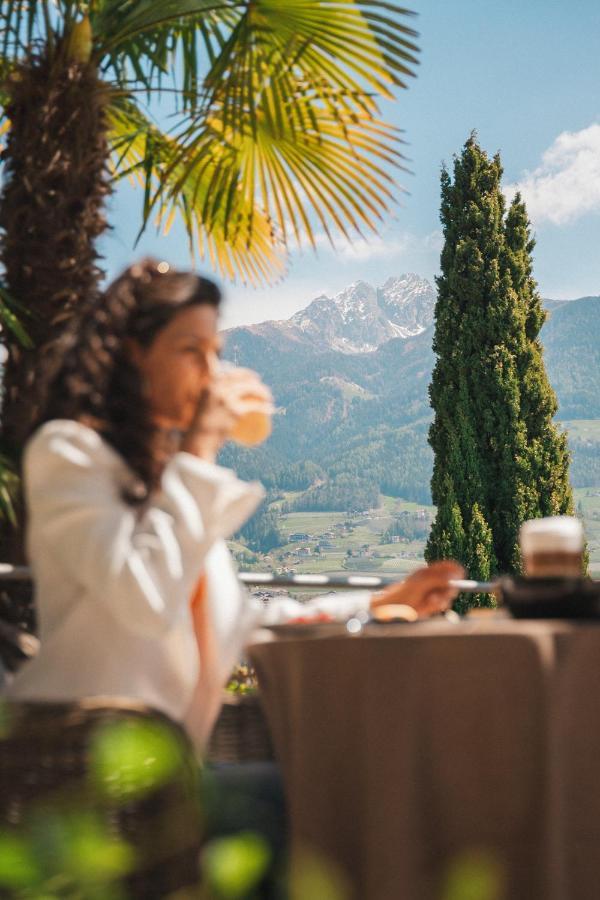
340, 607
144, 564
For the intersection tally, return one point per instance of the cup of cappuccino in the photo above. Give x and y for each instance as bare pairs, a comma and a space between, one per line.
552, 547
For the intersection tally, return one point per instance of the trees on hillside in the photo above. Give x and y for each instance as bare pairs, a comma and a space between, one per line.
499, 458
261, 532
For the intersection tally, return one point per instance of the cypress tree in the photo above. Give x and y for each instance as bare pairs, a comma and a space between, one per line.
548, 449
498, 457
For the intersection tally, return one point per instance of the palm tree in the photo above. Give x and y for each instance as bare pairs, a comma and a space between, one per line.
276, 134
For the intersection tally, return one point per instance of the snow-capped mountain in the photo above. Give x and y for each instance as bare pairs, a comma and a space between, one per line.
409, 302
364, 416
360, 318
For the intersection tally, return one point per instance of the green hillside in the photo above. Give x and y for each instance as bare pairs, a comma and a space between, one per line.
571, 339
361, 419
349, 456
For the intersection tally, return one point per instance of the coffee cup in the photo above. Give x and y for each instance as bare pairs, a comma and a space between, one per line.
552, 547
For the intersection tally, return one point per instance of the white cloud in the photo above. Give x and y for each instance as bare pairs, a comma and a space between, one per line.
377, 247
365, 249
566, 185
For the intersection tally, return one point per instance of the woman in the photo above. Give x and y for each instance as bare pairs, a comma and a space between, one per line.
128, 512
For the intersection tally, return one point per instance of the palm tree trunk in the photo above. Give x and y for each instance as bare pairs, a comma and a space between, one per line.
51, 214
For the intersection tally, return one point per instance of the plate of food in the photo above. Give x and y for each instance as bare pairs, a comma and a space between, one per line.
320, 625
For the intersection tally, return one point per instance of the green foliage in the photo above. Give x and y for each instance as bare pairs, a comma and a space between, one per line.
380, 438
261, 532
314, 877
349, 466
246, 559
574, 374
498, 457
298, 476
242, 680
12, 315
19, 867
585, 465
274, 110
132, 758
275, 130
474, 877
479, 560
9, 489
76, 844
407, 526
65, 852
234, 866
78, 841
343, 492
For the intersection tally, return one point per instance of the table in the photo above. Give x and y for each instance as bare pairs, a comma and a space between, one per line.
412, 753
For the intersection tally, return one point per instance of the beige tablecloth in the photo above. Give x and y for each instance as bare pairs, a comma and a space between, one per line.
417, 756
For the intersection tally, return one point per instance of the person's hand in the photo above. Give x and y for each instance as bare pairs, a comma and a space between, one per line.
230, 395
427, 590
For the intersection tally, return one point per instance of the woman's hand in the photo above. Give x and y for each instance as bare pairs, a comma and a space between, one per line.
427, 590
229, 396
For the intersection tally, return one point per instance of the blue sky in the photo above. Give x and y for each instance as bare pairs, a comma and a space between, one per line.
526, 75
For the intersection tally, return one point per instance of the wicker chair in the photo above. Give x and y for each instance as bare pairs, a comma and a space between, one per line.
241, 733
47, 766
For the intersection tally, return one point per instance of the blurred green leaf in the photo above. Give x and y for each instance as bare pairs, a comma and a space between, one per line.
475, 876
276, 129
129, 759
234, 866
312, 877
94, 856
76, 848
9, 307
18, 865
9, 490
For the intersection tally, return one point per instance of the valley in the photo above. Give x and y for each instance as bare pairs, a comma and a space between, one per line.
360, 547
350, 377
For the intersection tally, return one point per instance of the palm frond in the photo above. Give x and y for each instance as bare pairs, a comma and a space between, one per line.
9, 490
237, 237
11, 313
280, 127
119, 21
297, 163
19, 21
146, 38
330, 46
348, 46
292, 100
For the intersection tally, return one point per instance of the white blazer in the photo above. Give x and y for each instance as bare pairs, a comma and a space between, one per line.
113, 583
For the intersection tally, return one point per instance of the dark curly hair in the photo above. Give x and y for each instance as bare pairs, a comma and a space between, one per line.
89, 375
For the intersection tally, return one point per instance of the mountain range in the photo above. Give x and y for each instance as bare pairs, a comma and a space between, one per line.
357, 320
350, 376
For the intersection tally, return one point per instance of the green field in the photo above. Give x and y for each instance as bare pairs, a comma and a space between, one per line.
588, 501
358, 548
355, 544
362, 539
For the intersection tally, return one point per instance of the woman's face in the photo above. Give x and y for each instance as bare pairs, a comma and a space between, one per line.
179, 364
